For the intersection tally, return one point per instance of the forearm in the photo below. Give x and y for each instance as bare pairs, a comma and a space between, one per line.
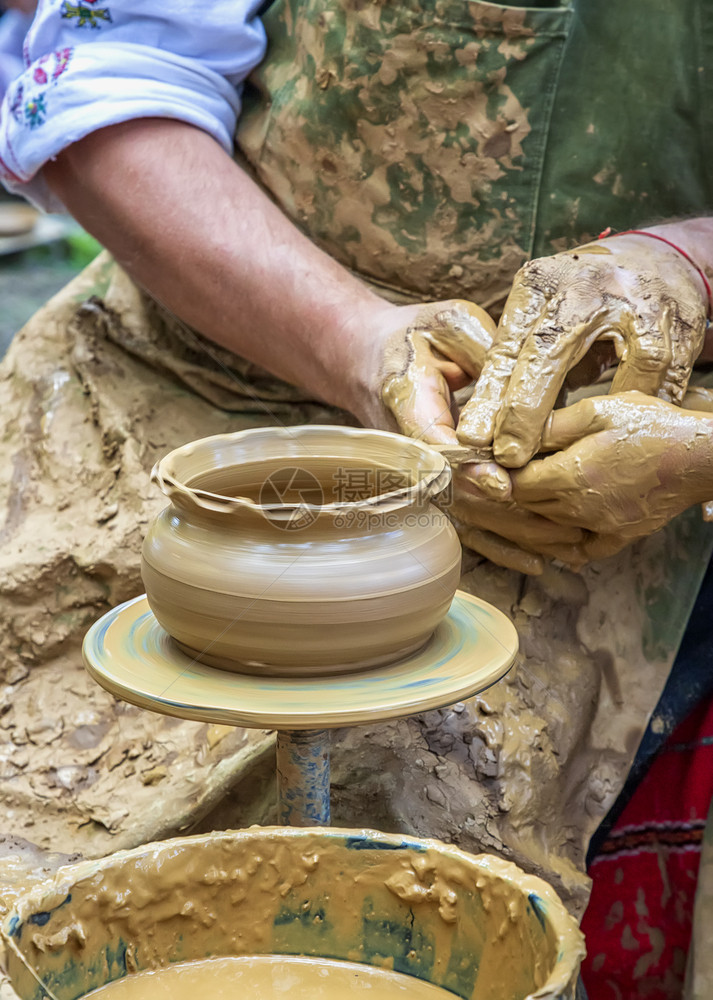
194, 230
695, 236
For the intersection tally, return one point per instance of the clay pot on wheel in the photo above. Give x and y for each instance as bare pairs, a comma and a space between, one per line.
301, 550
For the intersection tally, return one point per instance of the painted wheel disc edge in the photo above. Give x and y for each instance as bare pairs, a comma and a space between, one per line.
130, 655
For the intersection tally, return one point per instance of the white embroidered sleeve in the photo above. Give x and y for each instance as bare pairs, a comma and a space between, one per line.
99, 62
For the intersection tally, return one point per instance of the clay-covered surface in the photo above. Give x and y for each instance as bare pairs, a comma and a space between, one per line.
93, 391
477, 926
84, 422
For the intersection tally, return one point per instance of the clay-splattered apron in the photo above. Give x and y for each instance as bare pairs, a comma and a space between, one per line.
432, 147
408, 137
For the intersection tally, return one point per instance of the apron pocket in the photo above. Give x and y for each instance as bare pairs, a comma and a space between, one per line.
407, 140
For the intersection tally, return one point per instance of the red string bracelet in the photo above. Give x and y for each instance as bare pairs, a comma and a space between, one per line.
662, 239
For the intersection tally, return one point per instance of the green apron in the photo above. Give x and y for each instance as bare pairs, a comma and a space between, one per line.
435, 146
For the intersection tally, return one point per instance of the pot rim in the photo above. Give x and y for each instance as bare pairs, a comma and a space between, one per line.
166, 476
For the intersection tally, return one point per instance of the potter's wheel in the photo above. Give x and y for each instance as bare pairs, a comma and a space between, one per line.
131, 656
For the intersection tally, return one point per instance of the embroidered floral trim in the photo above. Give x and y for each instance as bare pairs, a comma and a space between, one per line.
62, 57
35, 111
28, 105
84, 15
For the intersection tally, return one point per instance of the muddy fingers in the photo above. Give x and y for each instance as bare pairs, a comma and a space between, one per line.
440, 348
638, 292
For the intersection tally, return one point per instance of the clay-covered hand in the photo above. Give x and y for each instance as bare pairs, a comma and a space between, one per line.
433, 350
698, 398
623, 466
632, 290
509, 535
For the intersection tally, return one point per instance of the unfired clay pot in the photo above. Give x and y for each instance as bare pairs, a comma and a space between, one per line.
301, 550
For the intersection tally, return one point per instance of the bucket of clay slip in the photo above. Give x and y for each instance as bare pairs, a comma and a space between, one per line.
474, 926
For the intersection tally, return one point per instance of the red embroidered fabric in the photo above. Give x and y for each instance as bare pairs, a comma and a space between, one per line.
638, 923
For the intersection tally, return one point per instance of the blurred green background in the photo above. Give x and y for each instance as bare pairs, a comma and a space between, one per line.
29, 278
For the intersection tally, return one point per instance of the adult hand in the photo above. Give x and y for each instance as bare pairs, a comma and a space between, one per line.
628, 464
509, 535
435, 349
635, 291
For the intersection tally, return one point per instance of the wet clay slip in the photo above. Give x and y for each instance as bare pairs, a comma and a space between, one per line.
305, 550
270, 977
